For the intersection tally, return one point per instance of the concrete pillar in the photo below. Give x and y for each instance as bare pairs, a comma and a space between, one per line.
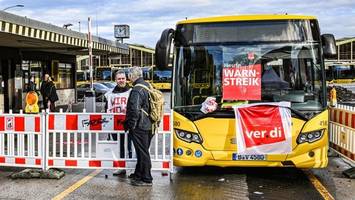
142, 59
351, 52
130, 56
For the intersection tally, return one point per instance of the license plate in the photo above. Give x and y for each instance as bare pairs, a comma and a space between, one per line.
248, 157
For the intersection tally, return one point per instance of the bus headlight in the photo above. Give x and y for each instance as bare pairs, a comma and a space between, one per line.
188, 136
310, 136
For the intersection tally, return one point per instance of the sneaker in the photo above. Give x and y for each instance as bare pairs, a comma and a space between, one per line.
141, 183
133, 176
119, 172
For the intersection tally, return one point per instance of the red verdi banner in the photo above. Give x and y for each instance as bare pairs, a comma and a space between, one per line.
264, 128
242, 82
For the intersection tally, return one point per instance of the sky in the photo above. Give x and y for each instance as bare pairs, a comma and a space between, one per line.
148, 18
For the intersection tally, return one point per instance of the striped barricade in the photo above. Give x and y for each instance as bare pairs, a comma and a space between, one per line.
342, 131
21, 140
85, 140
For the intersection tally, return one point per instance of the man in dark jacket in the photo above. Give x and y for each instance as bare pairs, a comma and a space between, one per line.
140, 128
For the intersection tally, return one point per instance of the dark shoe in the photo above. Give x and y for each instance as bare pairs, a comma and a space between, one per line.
133, 176
119, 172
141, 183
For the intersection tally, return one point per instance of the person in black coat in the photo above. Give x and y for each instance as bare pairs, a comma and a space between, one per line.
31, 85
139, 125
49, 93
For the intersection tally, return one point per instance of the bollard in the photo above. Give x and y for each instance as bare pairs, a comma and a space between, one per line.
90, 101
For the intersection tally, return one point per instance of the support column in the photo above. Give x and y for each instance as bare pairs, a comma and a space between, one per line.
142, 58
351, 52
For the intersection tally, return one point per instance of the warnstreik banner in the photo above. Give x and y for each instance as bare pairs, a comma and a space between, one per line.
263, 128
242, 82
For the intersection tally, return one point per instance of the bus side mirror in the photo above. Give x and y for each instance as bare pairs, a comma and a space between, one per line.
329, 46
162, 49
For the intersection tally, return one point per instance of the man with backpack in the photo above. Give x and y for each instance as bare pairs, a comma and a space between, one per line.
144, 104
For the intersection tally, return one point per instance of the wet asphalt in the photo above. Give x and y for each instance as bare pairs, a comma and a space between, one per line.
187, 183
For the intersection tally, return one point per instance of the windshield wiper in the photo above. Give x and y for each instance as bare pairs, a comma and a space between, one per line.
299, 114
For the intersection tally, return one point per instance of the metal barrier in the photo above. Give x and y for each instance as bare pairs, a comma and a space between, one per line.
21, 140
76, 140
84, 140
342, 131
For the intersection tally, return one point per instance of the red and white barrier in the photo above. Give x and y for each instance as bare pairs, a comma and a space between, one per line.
21, 140
94, 122
342, 131
80, 140
344, 115
76, 140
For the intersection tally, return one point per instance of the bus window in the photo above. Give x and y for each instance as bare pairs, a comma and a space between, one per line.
103, 74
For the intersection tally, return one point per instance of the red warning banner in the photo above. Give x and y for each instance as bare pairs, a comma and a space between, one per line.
242, 82
261, 125
263, 128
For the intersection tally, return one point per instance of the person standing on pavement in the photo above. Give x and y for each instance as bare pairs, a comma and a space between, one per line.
49, 93
31, 85
116, 102
139, 126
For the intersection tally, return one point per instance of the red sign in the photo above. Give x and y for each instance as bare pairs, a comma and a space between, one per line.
261, 125
242, 82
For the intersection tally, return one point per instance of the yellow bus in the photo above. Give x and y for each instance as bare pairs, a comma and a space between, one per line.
82, 76
161, 79
107, 74
288, 46
104, 73
340, 73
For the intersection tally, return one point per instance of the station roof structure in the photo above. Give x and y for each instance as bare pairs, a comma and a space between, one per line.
32, 35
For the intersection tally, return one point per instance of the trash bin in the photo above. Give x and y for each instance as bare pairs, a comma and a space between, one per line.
90, 101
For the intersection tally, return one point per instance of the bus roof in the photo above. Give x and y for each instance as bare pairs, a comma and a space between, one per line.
234, 18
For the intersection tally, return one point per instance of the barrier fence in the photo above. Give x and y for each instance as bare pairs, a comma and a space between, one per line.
342, 131
77, 140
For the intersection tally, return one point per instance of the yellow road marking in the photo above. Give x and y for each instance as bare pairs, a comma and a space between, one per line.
319, 186
76, 185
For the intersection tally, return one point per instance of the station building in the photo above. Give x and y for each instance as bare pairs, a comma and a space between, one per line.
341, 69
30, 48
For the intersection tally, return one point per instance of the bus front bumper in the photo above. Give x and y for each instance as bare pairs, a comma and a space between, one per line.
195, 155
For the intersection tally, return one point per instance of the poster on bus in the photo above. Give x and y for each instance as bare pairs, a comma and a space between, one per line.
263, 128
242, 82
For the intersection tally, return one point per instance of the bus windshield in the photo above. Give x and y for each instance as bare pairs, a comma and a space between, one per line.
161, 76
340, 72
103, 74
80, 76
290, 71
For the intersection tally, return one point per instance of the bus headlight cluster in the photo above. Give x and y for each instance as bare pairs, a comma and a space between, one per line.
188, 136
310, 136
